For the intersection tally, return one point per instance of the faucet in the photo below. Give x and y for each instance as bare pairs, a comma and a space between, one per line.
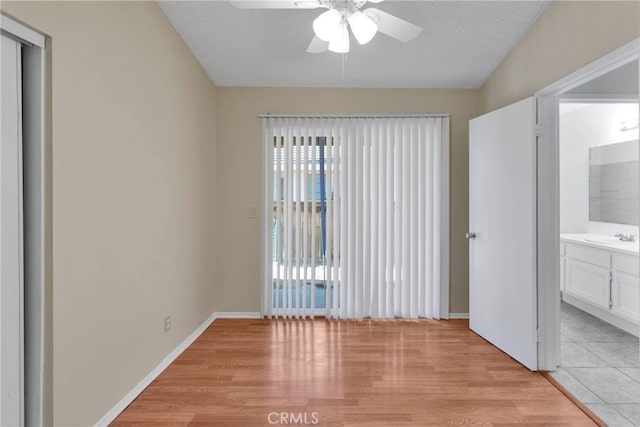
624, 238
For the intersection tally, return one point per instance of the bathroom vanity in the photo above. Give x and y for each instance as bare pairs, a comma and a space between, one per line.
599, 275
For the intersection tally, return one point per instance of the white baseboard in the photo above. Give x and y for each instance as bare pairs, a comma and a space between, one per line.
237, 315
458, 315
120, 406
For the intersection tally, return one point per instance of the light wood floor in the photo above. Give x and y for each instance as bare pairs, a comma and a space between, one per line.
350, 373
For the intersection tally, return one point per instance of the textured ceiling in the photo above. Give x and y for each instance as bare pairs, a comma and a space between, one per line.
461, 45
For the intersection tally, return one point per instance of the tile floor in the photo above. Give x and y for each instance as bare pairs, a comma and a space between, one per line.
600, 366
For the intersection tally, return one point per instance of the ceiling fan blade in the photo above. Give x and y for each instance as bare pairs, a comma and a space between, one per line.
318, 45
275, 4
392, 25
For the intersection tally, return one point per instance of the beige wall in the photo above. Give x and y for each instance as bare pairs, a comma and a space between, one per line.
133, 196
239, 173
568, 36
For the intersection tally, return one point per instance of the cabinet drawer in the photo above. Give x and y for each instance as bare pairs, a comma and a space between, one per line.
626, 264
589, 255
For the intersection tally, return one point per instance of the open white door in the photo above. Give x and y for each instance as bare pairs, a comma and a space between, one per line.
502, 221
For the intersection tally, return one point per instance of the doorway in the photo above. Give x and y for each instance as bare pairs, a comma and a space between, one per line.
592, 154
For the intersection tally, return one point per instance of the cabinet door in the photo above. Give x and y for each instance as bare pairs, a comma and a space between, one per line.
587, 281
626, 296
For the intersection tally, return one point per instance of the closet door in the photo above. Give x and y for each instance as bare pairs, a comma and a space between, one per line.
11, 236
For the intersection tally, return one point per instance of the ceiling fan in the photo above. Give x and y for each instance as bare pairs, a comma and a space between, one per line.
331, 28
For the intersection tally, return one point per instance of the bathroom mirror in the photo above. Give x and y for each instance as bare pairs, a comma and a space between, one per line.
614, 183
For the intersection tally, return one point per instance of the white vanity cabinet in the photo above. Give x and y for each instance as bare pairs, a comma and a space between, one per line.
602, 281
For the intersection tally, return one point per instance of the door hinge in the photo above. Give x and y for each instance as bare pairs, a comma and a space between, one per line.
538, 335
537, 129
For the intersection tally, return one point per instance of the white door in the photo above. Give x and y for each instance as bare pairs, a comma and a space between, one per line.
11, 249
502, 214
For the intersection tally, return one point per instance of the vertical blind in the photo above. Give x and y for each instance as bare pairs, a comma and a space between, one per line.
353, 224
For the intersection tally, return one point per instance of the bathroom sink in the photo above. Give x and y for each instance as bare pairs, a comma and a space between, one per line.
605, 240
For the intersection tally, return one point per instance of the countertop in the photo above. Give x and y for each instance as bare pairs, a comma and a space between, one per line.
627, 248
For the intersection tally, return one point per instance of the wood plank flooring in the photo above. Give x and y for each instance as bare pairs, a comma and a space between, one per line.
347, 373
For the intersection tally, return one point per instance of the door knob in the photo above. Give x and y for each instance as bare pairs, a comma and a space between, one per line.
470, 236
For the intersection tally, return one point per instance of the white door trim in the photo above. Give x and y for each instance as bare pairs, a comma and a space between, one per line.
599, 67
21, 33
548, 229
549, 197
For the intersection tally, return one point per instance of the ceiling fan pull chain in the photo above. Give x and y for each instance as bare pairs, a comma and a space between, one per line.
344, 64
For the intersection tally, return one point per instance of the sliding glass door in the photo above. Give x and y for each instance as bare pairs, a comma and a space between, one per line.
299, 232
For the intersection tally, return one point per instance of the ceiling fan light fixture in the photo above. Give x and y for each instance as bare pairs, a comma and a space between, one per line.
340, 42
327, 25
363, 27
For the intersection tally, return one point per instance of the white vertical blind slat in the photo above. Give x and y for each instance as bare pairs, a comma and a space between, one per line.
381, 223
375, 190
358, 221
366, 223
437, 191
304, 145
428, 219
275, 133
337, 208
405, 209
267, 190
421, 223
341, 302
390, 192
314, 183
289, 179
397, 216
329, 264
414, 261
298, 187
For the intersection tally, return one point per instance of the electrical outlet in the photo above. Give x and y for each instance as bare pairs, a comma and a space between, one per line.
253, 212
167, 324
